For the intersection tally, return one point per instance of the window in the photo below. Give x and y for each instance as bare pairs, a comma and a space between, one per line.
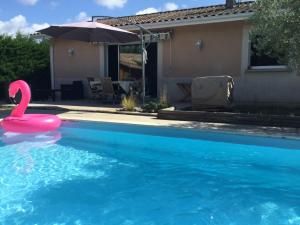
130, 63
258, 60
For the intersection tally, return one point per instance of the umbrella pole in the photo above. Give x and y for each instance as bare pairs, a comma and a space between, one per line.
143, 67
143, 47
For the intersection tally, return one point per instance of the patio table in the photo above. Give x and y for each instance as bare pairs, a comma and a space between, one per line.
96, 84
125, 85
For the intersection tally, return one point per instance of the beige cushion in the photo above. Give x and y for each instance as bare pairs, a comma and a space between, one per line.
212, 91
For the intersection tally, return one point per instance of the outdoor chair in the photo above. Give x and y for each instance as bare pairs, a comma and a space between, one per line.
95, 87
72, 91
108, 92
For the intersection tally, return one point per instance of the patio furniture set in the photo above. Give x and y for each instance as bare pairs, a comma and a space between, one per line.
111, 91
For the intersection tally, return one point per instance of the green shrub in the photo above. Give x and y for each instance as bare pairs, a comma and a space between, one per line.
277, 30
155, 106
21, 57
129, 103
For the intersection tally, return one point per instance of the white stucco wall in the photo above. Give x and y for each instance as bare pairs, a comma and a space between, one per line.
225, 52
87, 61
272, 87
268, 87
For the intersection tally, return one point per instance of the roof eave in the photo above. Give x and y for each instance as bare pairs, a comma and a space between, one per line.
188, 22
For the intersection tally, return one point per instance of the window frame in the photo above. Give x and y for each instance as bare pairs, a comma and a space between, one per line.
280, 67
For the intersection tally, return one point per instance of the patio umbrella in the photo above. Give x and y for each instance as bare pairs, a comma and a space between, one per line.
90, 32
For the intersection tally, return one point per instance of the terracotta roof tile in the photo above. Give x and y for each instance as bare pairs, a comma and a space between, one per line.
183, 14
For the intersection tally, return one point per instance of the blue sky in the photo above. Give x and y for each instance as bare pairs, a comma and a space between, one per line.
28, 15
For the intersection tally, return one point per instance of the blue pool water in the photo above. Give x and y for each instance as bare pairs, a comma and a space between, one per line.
109, 174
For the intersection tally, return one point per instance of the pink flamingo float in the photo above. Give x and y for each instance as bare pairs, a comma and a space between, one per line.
19, 122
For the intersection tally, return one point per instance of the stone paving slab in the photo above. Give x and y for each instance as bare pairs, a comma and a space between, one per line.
153, 121
65, 106
72, 107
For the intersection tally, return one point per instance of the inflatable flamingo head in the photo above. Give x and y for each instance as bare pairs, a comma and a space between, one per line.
15, 86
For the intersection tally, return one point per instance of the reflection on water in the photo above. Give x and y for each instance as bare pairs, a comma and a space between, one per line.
32, 162
40, 139
24, 162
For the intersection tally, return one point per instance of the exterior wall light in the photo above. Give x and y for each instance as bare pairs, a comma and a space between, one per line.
71, 51
199, 44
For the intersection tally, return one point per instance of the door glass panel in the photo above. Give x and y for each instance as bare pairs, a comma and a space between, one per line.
130, 63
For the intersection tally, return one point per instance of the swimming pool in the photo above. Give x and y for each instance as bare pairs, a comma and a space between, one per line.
111, 174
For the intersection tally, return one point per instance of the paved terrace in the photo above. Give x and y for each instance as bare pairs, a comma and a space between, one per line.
87, 106
111, 114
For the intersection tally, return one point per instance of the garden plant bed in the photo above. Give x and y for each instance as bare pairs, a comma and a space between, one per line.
233, 116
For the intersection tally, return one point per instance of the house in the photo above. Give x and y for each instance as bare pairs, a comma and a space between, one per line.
184, 44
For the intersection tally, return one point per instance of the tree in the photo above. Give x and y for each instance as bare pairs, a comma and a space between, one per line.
277, 29
21, 57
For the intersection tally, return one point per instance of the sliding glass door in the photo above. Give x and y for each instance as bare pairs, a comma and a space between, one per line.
113, 62
125, 64
130, 67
